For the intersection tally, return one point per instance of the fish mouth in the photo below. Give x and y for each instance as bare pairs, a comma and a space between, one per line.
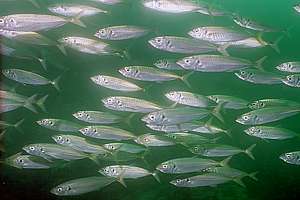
174, 182
239, 75
122, 71
101, 171
247, 132
75, 115
282, 157
97, 35
145, 119
240, 121
39, 122
55, 138
180, 63
94, 79
152, 42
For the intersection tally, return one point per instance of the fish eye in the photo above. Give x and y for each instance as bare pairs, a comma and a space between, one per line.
152, 117
95, 130
197, 30
178, 181
158, 40
1, 21
243, 72
165, 166
65, 39
21, 160
187, 61
246, 117
32, 148
127, 69
289, 78
59, 137
106, 170
196, 148
59, 189
11, 20
146, 139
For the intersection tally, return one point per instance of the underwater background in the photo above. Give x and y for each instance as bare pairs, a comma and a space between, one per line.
276, 179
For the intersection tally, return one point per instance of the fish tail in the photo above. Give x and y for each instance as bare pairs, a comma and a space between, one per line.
128, 119
94, 158
249, 150
62, 49
42, 61
287, 31
185, 78
223, 50
2, 134
260, 62
228, 133
55, 83
224, 163
253, 176
34, 2
28, 103
239, 181
275, 44
18, 124
41, 103
76, 20
215, 140
216, 112
155, 175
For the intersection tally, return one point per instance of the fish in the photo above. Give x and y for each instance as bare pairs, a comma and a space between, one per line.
124, 147
154, 140
8, 105
297, 8
259, 77
109, 2
167, 64
269, 103
214, 63
291, 157
268, 132
115, 83
209, 179
216, 34
79, 144
231, 172
123, 32
81, 186
267, 115
75, 10
219, 150
59, 125
252, 25
107, 133
229, 102
129, 104
182, 45
4, 125
190, 99
187, 139
27, 162
143, 73
175, 115
291, 67
97, 117
29, 78
188, 165
292, 80
52, 152
89, 46
121, 172
31, 22
180, 6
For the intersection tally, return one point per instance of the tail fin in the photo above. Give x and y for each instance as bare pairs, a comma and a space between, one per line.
253, 176
94, 158
76, 20
260, 62
155, 175
42, 62
275, 44
18, 124
41, 103
249, 150
55, 83
239, 181
223, 49
61, 47
217, 112
184, 79
28, 103
224, 163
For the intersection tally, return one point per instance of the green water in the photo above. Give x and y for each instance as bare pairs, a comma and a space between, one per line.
276, 180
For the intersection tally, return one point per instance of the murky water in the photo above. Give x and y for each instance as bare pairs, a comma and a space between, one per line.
276, 179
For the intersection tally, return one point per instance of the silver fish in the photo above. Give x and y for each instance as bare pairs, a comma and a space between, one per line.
107, 133
8, 105
59, 125
231, 173
268, 103
121, 32
29, 78
109, 2
147, 74
81, 186
79, 144
96, 117
31, 22
75, 10
273, 133
129, 104
214, 63
210, 179
182, 45
151, 140
292, 80
175, 116
267, 115
173, 128
167, 64
297, 8
229, 102
124, 147
188, 165
292, 67
6, 50
187, 139
291, 157
217, 34
250, 24
115, 83
27, 162
89, 46
259, 77
219, 150
4, 125
54, 151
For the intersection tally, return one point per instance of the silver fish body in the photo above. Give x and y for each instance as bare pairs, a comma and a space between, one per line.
291, 157
259, 77
97, 117
59, 125
121, 32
